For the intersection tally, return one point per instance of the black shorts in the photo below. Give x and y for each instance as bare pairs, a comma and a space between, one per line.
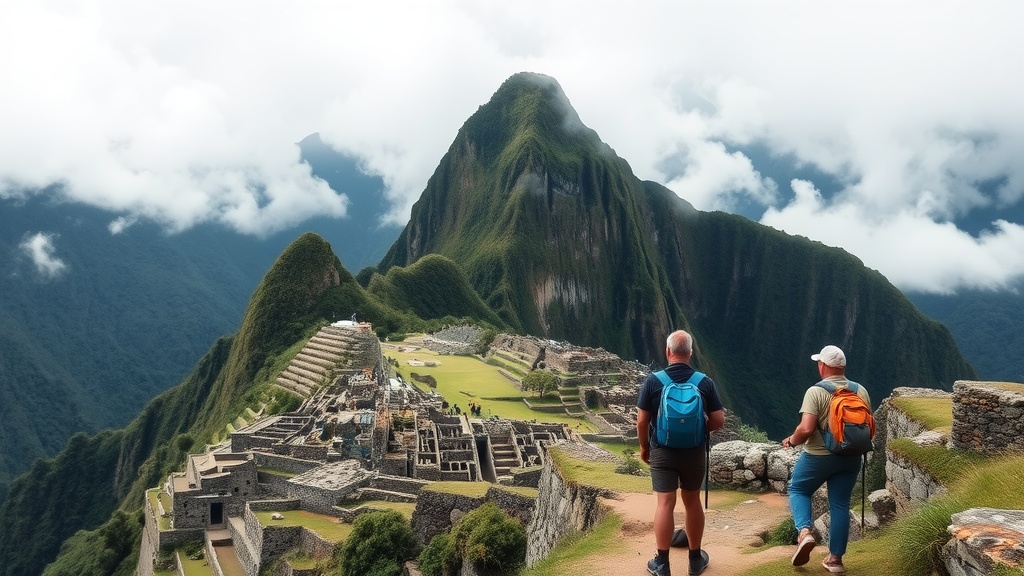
674, 468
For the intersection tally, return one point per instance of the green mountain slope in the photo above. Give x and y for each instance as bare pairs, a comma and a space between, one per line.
433, 287
562, 240
94, 476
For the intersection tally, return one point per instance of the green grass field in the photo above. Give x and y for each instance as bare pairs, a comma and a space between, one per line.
155, 494
461, 379
195, 567
403, 508
329, 527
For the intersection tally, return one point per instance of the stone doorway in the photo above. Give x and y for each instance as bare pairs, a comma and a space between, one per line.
216, 513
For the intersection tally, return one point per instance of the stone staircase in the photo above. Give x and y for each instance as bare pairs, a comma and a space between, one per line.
505, 455
329, 352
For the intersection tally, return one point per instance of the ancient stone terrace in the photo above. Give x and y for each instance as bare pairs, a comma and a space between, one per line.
343, 348
356, 435
562, 356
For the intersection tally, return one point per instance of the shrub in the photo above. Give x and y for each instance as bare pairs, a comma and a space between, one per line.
631, 465
379, 544
487, 537
782, 535
752, 434
436, 559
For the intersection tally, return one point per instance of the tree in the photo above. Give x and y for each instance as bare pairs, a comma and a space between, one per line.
379, 544
540, 381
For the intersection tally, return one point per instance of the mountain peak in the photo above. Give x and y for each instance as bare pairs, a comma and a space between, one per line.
529, 116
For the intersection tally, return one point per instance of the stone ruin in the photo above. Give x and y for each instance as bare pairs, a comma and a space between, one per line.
357, 435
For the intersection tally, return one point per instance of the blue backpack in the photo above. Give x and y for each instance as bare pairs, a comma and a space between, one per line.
680, 422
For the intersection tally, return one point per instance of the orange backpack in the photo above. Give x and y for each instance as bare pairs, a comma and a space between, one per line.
851, 426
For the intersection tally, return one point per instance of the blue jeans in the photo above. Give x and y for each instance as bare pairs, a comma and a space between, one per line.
809, 473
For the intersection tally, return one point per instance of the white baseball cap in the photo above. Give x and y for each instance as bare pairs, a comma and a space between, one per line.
831, 356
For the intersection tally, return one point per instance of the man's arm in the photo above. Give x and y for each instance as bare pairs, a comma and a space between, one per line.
808, 422
643, 427
716, 420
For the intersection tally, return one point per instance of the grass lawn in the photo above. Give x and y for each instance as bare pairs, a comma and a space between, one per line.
461, 379
328, 527
195, 567
1008, 386
933, 413
598, 474
277, 472
471, 489
155, 495
605, 537
403, 508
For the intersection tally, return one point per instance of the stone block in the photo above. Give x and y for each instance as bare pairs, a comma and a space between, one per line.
984, 538
883, 505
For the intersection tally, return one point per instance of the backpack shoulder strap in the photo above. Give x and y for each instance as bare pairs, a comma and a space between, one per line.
696, 378
853, 386
664, 377
828, 386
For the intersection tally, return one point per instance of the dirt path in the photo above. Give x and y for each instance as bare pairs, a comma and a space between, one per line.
733, 526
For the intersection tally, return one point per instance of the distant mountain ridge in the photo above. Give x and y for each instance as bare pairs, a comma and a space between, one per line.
133, 312
560, 238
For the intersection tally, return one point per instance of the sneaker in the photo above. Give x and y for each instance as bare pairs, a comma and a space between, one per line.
803, 550
835, 566
655, 567
698, 566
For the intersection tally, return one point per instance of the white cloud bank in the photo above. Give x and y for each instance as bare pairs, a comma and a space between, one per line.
40, 249
185, 112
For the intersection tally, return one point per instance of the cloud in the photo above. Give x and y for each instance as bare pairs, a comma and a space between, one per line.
186, 112
40, 249
908, 247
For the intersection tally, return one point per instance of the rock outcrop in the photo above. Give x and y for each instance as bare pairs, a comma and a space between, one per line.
984, 539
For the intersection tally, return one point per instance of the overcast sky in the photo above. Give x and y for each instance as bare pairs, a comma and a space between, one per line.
910, 114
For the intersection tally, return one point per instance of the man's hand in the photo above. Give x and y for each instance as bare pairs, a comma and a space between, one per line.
645, 453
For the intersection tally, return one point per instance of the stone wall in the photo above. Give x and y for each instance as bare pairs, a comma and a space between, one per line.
514, 504
750, 466
436, 512
988, 418
563, 508
284, 463
909, 484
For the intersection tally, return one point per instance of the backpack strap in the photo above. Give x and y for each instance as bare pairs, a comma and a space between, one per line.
831, 388
695, 378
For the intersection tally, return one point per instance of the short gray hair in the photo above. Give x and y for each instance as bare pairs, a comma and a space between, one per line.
680, 342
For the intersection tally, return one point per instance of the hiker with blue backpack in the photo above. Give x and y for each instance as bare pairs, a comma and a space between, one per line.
678, 408
836, 428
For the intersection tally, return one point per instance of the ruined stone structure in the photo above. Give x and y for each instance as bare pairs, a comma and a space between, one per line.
988, 417
358, 435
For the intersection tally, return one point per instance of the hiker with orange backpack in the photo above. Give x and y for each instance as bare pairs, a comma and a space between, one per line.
836, 428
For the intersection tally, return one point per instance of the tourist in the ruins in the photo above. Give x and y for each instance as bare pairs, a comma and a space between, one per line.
817, 466
676, 468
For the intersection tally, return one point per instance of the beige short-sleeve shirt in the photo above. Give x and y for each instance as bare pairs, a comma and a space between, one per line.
815, 402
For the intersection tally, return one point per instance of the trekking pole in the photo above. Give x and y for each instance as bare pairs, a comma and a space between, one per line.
863, 491
707, 468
